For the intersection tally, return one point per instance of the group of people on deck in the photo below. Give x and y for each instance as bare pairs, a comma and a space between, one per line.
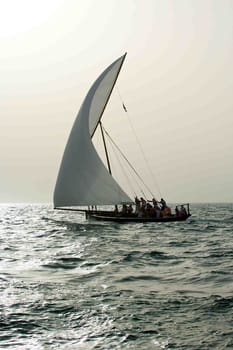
154, 208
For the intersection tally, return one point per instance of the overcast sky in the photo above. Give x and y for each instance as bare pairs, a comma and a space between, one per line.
176, 82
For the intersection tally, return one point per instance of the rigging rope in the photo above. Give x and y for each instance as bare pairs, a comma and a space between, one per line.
134, 170
140, 146
130, 182
122, 168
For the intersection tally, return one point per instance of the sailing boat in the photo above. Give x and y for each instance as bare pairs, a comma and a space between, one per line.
83, 179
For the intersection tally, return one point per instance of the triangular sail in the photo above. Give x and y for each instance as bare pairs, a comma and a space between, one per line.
83, 178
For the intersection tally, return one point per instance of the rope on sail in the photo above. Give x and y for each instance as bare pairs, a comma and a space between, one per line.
129, 181
122, 168
140, 146
99, 135
134, 170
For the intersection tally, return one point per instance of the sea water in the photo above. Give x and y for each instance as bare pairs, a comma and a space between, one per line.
68, 283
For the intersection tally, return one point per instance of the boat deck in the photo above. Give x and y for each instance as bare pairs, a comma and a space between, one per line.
117, 218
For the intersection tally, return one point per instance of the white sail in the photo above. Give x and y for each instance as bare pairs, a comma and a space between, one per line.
83, 178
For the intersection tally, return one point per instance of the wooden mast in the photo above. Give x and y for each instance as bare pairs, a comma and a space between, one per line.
105, 148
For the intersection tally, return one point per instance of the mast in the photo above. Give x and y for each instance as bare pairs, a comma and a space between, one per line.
105, 148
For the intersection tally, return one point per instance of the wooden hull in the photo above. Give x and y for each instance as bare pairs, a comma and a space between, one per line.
131, 219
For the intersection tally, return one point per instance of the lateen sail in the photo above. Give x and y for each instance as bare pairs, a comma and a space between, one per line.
83, 178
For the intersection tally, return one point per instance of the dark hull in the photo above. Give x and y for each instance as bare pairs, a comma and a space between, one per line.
128, 219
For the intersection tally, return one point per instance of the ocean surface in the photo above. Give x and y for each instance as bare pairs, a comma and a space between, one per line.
67, 283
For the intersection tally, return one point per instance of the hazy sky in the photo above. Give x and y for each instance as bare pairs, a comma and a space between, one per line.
177, 84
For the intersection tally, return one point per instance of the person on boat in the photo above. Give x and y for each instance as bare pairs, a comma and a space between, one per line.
116, 209
158, 213
142, 211
143, 203
183, 211
155, 203
168, 211
124, 209
137, 204
163, 204
152, 211
163, 213
177, 211
148, 209
130, 209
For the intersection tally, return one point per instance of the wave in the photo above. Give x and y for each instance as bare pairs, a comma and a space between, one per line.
147, 257
63, 263
16, 324
139, 277
218, 304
